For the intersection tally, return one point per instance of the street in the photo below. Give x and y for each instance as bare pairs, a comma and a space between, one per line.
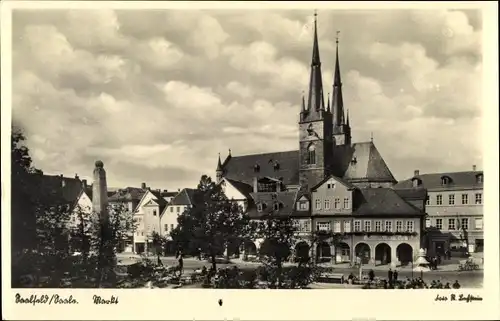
468, 279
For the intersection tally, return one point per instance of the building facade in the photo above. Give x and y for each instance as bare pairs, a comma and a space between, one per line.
286, 182
454, 210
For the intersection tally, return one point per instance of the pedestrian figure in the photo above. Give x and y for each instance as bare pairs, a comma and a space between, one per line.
181, 264
395, 275
371, 275
456, 285
390, 274
447, 285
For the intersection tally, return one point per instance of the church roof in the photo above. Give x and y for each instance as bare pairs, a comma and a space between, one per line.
244, 188
364, 164
464, 180
242, 168
383, 201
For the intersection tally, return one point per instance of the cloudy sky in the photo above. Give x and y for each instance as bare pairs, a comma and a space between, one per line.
157, 94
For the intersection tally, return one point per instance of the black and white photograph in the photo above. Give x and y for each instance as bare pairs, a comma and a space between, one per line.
234, 148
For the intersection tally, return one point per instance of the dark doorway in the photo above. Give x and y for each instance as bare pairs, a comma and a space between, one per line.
362, 251
404, 252
479, 245
383, 253
301, 251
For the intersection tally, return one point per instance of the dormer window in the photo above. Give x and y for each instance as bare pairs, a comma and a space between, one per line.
276, 206
330, 186
416, 182
276, 166
354, 161
479, 178
260, 207
256, 168
445, 180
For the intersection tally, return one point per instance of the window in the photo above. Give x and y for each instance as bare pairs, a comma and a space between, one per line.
427, 222
378, 226
171, 226
388, 226
306, 225
296, 225
336, 226
346, 202
154, 212
276, 206
451, 199
479, 178
409, 226
465, 199
311, 152
302, 205
464, 223
178, 209
439, 199
399, 226
337, 203
330, 186
347, 226
479, 198
451, 224
357, 226
478, 223
428, 201
166, 227
142, 233
439, 223
323, 226
318, 204
327, 204
171, 209
259, 207
368, 226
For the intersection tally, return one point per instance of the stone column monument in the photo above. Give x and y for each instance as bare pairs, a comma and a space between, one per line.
100, 192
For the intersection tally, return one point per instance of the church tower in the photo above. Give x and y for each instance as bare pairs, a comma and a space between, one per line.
341, 127
219, 171
315, 126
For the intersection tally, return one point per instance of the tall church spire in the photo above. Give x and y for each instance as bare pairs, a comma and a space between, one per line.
337, 101
315, 100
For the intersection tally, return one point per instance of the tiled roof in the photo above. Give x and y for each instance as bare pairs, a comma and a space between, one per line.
382, 201
360, 162
285, 199
65, 188
366, 163
340, 180
128, 194
433, 181
241, 168
184, 197
412, 193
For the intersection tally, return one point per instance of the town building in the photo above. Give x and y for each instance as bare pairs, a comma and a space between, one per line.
454, 208
168, 219
290, 183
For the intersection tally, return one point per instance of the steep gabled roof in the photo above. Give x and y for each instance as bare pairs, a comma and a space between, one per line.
366, 164
340, 180
383, 201
65, 188
243, 188
184, 197
464, 180
241, 168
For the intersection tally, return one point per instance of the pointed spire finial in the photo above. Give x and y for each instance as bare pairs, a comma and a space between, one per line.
219, 165
303, 101
337, 38
328, 102
347, 120
371, 137
229, 151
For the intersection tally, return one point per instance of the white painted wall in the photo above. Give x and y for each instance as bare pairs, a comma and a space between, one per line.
83, 205
169, 218
143, 216
232, 193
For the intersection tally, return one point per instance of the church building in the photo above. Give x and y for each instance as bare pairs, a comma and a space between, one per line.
288, 182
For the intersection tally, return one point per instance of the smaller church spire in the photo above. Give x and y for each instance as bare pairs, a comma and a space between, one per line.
328, 103
347, 118
219, 163
337, 99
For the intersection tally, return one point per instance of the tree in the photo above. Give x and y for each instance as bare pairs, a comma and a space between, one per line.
159, 243
279, 234
211, 222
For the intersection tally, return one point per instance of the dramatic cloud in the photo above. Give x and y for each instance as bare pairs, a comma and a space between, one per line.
157, 94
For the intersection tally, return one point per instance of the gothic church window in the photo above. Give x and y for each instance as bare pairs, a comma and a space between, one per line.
311, 153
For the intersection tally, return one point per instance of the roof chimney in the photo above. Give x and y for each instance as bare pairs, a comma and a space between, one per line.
84, 183
178, 190
474, 168
143, 185
76, 176
416, 172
